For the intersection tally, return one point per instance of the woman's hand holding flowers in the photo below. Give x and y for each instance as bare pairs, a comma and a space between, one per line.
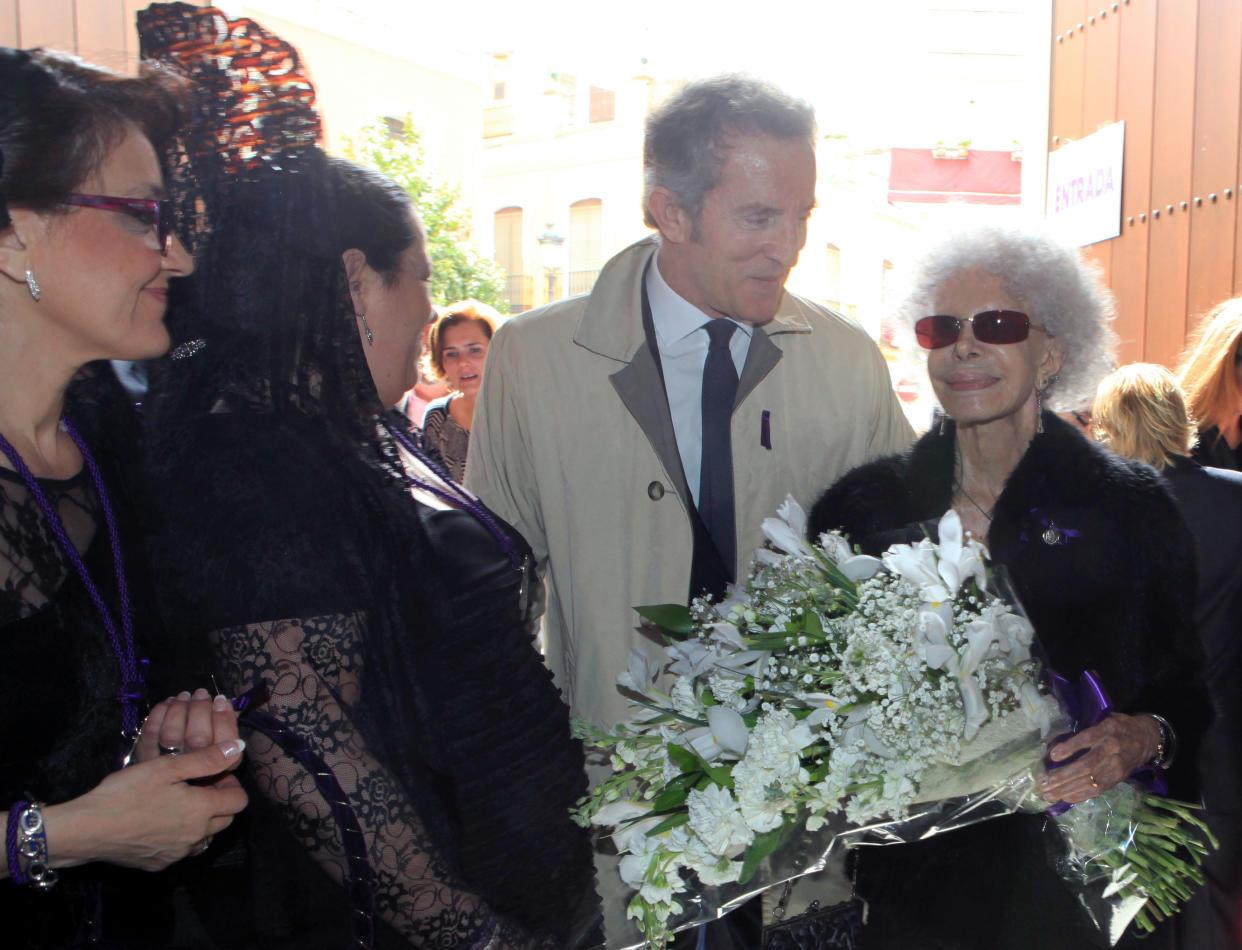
1108, 753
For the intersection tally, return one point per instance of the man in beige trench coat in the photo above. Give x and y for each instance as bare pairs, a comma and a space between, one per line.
575, 440
590, 431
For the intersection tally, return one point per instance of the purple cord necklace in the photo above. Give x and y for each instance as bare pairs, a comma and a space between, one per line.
454, 494
131, 691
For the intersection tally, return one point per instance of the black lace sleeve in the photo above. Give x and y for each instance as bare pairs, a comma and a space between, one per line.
313, 666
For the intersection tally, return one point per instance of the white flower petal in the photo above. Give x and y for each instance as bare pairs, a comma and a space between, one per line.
792, 514
785, 538
728, 728
860, 567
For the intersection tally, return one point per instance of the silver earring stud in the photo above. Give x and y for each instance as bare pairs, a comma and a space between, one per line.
33, 285
366, 329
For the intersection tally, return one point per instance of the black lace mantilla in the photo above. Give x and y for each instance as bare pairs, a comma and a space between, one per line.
397, 650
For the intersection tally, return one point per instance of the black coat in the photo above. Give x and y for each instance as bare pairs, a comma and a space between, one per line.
1211, 502
1099, 557
1212, 450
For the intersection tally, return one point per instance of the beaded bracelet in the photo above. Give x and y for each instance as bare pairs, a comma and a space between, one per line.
16, 874
27, 838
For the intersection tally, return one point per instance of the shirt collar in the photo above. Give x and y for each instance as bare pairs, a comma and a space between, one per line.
675, 318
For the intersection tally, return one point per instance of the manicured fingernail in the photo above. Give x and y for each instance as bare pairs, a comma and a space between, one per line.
233, 748
201, 693
184, 695
220, 703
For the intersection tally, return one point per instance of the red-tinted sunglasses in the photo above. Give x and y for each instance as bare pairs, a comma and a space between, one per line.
991, 326
152, 213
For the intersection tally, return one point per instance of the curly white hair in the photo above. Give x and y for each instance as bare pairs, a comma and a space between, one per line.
1055, 285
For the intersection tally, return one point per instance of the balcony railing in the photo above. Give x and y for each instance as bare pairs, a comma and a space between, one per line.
520, 292
581, 281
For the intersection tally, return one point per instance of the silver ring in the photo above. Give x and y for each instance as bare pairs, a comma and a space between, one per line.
169, 749
201, 847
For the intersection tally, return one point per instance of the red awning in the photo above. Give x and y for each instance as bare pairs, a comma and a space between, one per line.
982, 177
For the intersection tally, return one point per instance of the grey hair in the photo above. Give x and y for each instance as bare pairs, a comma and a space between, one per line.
685, 137
1057, 287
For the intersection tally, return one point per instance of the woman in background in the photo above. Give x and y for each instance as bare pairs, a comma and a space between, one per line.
457, 349
1141, 413
1211, 377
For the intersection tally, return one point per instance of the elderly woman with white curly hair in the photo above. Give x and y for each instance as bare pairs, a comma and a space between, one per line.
1016, 327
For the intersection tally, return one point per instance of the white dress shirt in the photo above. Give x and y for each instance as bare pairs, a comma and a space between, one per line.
683, 344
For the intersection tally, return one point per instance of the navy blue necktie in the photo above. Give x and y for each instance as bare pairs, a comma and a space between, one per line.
716, 472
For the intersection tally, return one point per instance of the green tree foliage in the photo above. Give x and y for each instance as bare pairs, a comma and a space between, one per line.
457, 270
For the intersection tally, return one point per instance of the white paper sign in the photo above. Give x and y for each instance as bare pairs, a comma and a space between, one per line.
1084, 187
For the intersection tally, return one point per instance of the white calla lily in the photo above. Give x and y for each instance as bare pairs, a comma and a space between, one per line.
787, 531
976, 709
981, 636
835, 546
618, 812
690, 657
766, 557
728, 728
792, 514
724, 632
917, 564
640, 673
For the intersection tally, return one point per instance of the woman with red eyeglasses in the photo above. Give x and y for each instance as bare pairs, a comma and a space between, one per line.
86, 255
1016, 328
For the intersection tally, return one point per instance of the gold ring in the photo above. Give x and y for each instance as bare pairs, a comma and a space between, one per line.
1094, 783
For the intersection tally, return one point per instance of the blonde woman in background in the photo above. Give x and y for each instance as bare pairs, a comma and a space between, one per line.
1211, 377
1142, 413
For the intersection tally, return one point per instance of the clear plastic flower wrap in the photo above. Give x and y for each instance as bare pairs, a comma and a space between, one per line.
842, 700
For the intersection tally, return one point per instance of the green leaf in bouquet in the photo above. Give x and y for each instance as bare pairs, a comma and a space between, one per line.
838, 580
669, 823
666, 713
674, 794
686, 758
674, 619
763, 845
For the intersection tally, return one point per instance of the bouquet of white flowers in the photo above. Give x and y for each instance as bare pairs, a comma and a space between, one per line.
841, 695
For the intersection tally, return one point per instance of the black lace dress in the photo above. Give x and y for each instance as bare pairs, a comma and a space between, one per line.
59, 680
392, 637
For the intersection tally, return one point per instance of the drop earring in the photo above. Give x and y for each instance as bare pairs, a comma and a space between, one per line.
1039, 406
33, 285
366, 329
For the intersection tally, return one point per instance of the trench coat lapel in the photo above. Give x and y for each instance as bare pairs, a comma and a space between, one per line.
640, 386
761, 356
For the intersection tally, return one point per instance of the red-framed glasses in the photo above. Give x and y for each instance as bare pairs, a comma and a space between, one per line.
991, 326
153, 213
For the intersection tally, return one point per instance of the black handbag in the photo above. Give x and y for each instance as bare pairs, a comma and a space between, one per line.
838, 927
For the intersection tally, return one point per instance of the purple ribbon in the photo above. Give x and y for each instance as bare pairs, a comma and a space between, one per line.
357, 858
1087, 704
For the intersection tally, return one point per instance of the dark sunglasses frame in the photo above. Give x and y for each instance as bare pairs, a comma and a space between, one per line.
998, 327
153, 213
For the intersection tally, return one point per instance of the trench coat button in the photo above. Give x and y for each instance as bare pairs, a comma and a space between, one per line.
655, 491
